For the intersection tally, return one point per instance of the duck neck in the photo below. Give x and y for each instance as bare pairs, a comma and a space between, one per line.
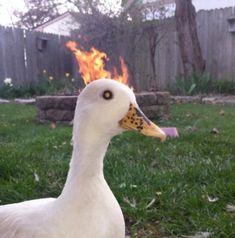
87, 160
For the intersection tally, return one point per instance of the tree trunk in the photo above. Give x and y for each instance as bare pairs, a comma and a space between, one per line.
189, 44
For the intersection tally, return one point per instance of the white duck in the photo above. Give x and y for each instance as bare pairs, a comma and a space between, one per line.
86, 207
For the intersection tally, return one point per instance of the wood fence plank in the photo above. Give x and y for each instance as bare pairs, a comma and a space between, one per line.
25, 55
2, 56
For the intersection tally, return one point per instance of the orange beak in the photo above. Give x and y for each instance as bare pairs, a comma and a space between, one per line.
136, 120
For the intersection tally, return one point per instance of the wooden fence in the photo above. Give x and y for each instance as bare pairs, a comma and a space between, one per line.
216, 31
217, 38
25, 55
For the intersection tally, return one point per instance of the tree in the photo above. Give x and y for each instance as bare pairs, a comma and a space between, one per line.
84, 6
93, 7
102, 28
97, 20
151, 19
133, 9
99, 28
189, 44
37, 12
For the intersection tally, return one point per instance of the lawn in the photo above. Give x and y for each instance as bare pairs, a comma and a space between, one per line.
175, 188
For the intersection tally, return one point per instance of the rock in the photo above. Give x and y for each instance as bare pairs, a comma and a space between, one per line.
185, 99
163, 98
146, 98
156, 111
56, 102
55, 115
220, 100
2, 101
228, 100
30, 101
153, 98
209, 100
61, 108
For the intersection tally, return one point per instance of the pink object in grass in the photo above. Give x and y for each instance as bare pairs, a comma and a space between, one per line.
170, 131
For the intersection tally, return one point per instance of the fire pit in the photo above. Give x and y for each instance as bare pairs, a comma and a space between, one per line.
91, 65
61, 108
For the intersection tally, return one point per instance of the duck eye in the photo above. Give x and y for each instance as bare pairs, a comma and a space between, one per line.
107, 95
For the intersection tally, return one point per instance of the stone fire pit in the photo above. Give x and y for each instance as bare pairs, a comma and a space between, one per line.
61, 108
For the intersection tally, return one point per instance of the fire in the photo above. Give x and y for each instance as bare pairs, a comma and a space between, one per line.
92, 65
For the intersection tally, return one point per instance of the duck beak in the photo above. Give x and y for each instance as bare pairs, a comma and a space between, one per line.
136, 120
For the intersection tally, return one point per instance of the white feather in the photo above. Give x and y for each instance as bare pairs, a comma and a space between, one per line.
86, 207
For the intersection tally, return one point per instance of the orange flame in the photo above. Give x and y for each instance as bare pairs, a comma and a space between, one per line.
92, 65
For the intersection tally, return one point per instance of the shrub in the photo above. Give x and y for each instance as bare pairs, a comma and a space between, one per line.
224, 87
202, 84
49, 85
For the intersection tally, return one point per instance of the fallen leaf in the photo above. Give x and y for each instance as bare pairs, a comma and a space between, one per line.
190, 128
133, 186
212, 199
122, 185
36, 177
131, 203
53, 125
150, 203
71, 142
230, 208
200, 235
154, 163
215, 131
222, 112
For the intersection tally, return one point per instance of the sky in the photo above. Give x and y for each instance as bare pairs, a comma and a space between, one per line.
6, 9
8, 6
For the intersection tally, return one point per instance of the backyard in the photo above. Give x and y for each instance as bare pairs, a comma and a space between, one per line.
172, 189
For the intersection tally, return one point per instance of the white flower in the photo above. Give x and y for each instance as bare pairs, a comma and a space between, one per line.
8, 82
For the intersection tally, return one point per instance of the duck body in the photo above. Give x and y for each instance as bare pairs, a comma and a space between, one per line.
95, 214
86, 208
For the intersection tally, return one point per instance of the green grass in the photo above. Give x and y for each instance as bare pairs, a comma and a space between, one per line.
176, 176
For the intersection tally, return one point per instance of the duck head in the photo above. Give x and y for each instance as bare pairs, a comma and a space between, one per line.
109, 107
